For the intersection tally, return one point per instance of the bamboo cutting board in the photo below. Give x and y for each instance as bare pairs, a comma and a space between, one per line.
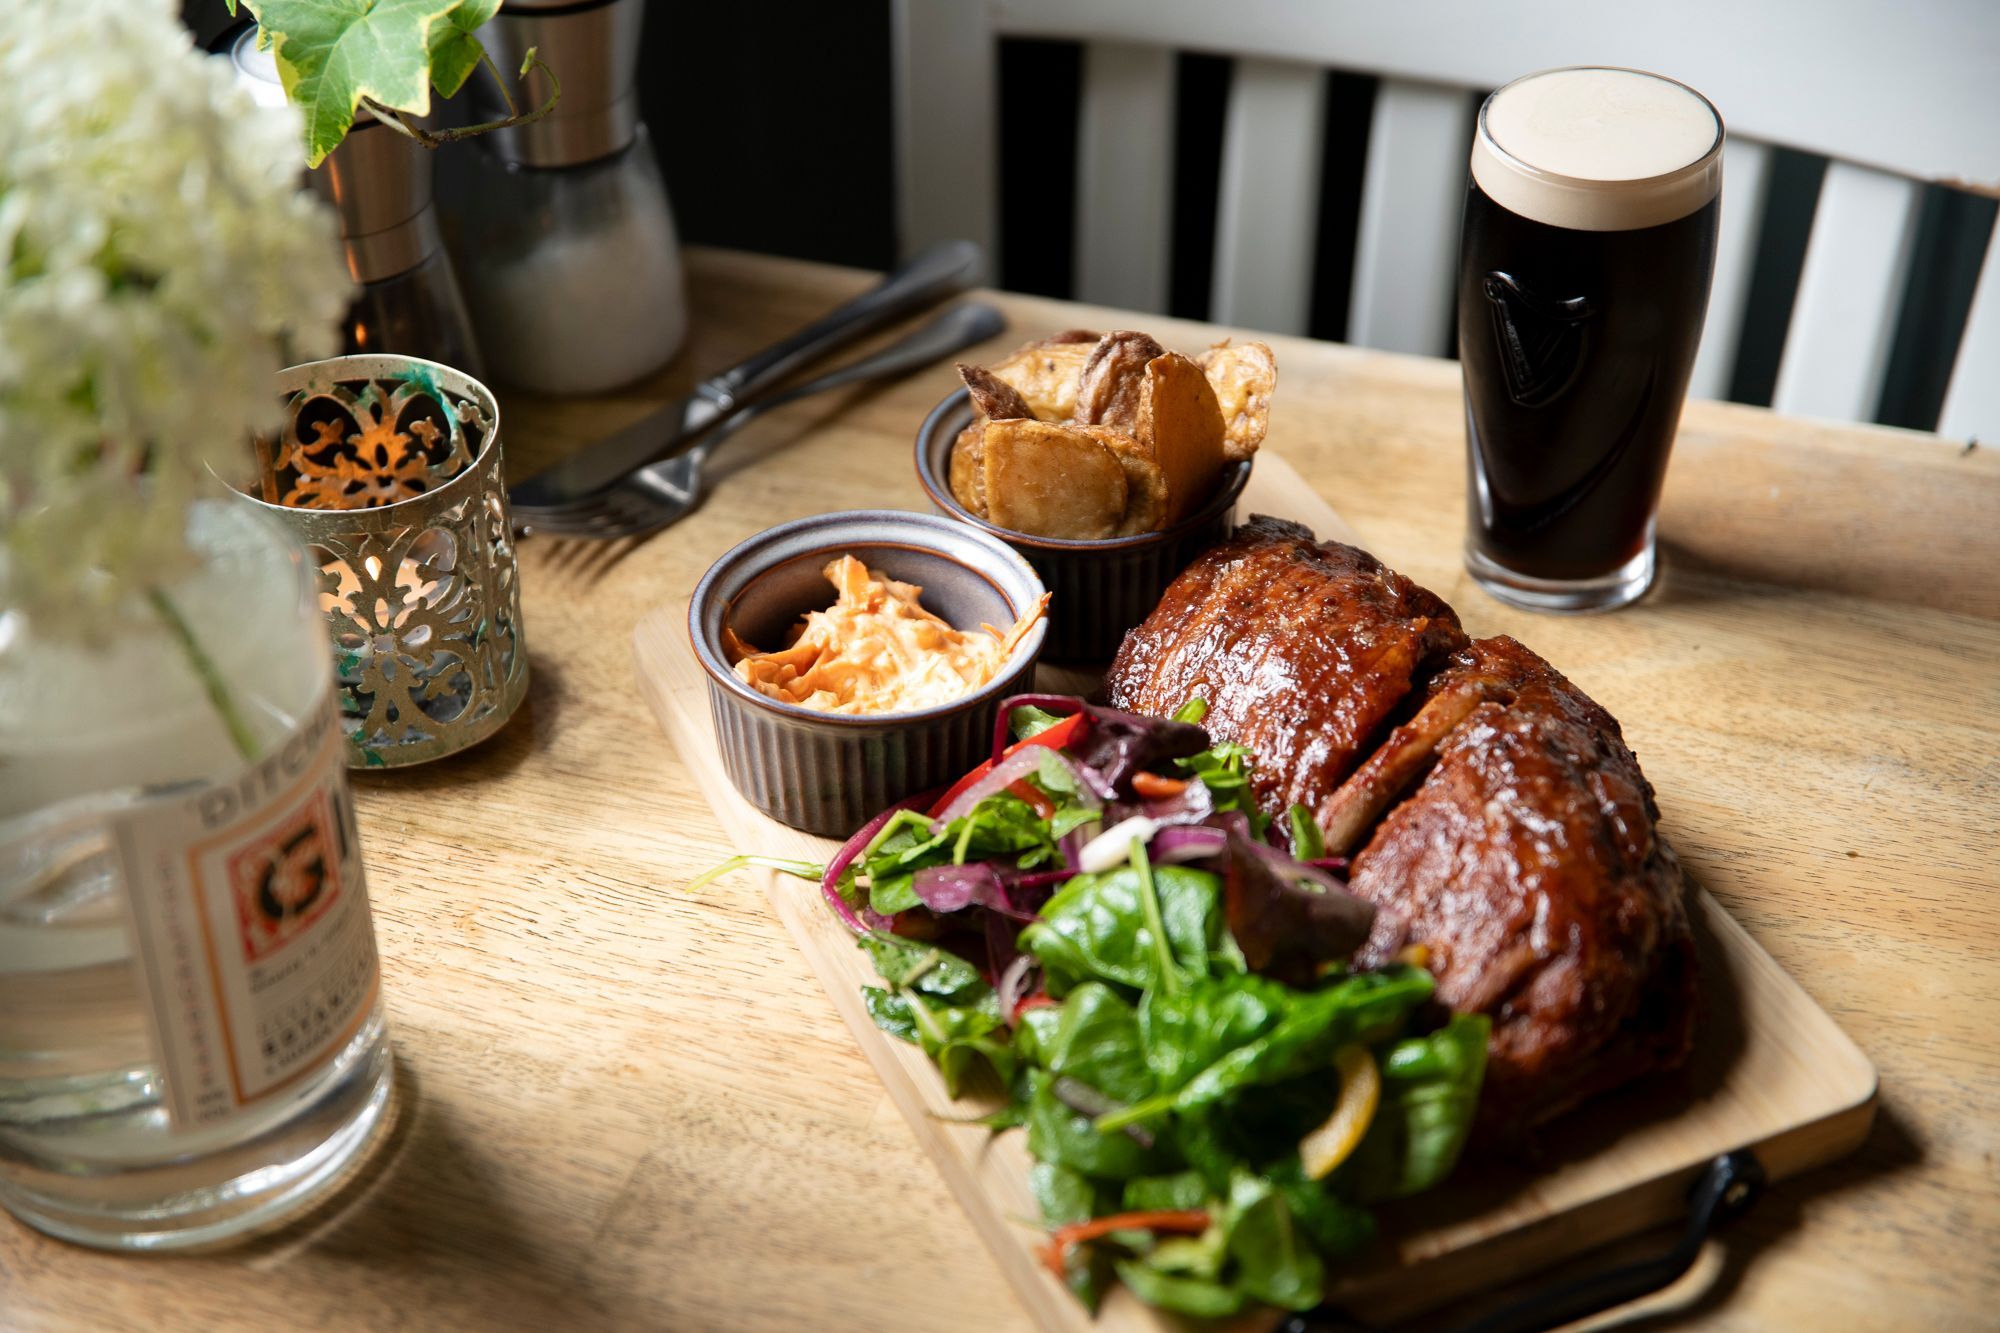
1771, 1070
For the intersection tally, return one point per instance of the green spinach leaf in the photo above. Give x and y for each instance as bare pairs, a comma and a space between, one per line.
1096, 1041
1058, 1134
1275, 1260
1337, 1227
1185, 1032
1070, 818
1066, 1196
1094, 928
901, 842
1029, 720
1001, 825
958, 1038
1200, 1256
1199, 1138
1430, 1090
1034, 1033
891, 894
1310, 1026
925, 967
1182, 1189
1201, 1298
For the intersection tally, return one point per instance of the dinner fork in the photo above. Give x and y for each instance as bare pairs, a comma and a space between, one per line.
659, 494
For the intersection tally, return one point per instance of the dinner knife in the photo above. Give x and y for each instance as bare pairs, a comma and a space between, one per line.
934, 273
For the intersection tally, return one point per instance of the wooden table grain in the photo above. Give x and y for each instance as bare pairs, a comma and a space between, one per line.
627, 1105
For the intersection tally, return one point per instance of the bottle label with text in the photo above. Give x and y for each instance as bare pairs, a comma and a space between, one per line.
250, 925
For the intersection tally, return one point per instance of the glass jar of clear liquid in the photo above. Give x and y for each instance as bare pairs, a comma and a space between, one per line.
191, 1042
561, 227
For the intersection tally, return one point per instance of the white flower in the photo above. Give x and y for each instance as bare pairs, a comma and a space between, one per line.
159, 262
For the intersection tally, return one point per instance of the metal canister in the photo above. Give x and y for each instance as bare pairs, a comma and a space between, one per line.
379, 183
562, 226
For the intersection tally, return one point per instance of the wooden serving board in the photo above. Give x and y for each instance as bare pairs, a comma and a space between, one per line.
1771, 1070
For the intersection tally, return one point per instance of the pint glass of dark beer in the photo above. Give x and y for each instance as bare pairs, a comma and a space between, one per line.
1584, 269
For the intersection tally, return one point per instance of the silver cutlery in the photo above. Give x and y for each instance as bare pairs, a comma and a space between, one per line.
935, 273
661, 493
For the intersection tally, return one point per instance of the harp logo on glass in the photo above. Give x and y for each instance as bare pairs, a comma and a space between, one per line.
1542, 341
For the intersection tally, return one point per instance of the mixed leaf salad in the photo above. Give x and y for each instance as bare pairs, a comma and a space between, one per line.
1099, 923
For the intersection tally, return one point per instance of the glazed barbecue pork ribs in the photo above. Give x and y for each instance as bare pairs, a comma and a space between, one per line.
1303, 650
1497, 817
1527, 865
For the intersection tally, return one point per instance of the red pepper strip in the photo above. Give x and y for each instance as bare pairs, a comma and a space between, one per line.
1039, 1000
1044, 807
1054, 738
1156, 788
1193, 1221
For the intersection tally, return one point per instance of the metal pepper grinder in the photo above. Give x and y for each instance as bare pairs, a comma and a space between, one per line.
561, 227
379, 183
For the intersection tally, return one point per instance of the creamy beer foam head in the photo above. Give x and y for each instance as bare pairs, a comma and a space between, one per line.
1598, 149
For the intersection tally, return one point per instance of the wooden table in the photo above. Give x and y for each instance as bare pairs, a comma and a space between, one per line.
630, 1105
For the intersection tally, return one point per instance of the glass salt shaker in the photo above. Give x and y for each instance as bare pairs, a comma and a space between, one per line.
379, 182
561, 227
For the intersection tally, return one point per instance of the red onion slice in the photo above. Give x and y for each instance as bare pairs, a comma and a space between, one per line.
1022, 763
1003, 723
829, 886
1015, 982
1178, 844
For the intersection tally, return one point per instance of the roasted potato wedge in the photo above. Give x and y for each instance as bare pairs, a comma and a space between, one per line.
1107, 392
1243, 375
996, 399
1180, 425
1145, 484
1046, 373
1051, 480
968, 467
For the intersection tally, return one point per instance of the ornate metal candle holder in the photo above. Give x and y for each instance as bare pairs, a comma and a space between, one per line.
388, 469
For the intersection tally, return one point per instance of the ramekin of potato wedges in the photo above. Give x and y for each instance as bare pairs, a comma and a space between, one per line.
1107, 461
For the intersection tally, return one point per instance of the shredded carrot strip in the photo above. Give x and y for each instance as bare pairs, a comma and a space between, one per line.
1156, 788
1056, 1254
1044, 807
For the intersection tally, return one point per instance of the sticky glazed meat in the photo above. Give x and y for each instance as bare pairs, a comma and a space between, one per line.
1494, 812
1527, 865
1304, 651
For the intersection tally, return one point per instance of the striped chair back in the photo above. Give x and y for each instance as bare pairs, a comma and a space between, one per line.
1898, 98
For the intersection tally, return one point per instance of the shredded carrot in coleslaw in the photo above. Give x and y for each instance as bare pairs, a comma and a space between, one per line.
877, 650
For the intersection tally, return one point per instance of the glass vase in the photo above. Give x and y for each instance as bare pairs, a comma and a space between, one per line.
191, 1041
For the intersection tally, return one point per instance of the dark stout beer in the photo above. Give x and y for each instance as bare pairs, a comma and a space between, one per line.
1589, 241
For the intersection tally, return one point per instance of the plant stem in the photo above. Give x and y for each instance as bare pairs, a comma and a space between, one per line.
919, 969
1156, 926
797, 869
921, 1015
1113, 1121
204, 669
499, 81
409, 129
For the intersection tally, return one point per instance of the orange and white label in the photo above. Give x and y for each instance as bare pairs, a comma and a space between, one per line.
250, 926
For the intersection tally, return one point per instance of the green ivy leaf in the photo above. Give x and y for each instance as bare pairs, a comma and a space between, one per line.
332, 53
455, 51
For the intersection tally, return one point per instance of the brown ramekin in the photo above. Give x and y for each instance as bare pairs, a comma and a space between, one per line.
828, 773
1101, 588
